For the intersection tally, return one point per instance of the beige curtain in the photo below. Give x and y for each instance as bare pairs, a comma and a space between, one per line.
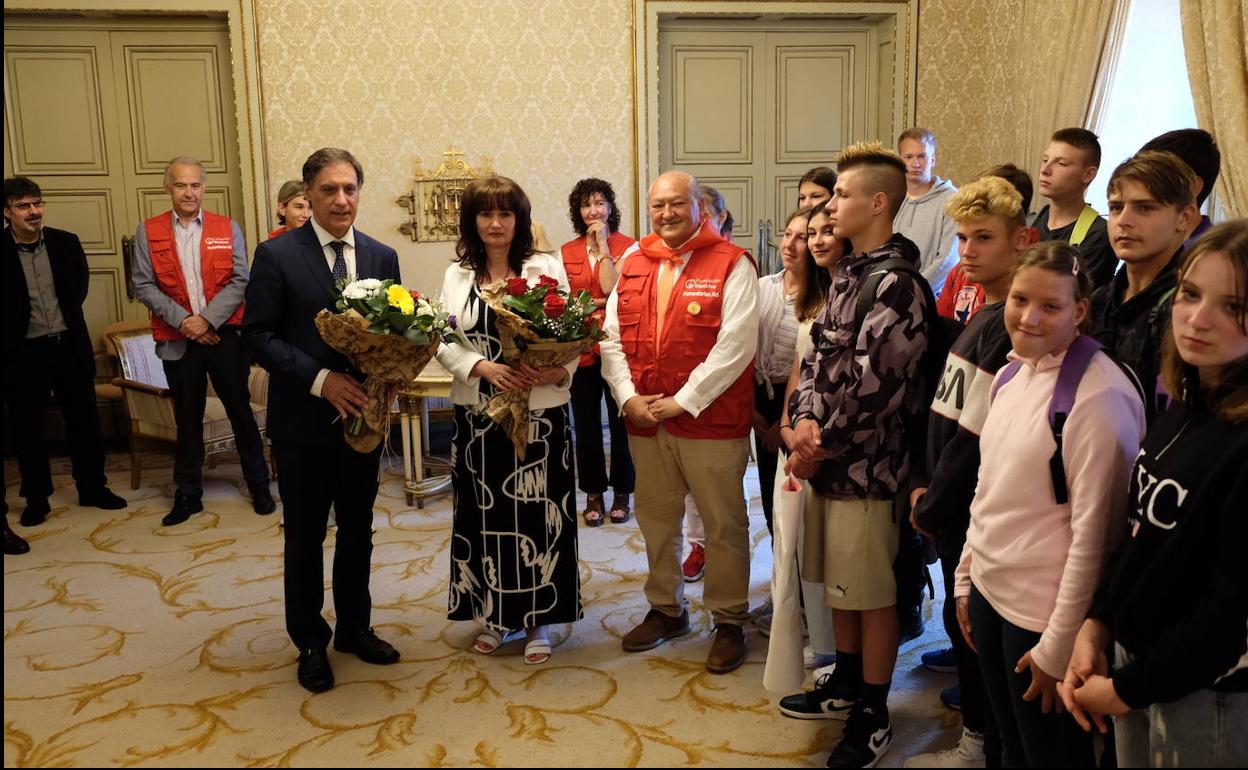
1108, 66
1062, 53
1217, 66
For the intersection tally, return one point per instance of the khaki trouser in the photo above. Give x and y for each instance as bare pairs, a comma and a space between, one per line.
713, 470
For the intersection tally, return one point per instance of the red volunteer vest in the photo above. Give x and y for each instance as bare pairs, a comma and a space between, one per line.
581, 277
691, 327
216, 257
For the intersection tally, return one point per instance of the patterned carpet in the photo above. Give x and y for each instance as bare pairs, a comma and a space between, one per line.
127, 643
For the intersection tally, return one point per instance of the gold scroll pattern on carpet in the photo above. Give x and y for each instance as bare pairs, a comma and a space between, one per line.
130, 644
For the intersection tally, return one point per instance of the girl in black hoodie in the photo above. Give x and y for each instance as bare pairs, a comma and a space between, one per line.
1175, 602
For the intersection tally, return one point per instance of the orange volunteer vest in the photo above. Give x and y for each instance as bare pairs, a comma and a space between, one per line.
691, 326
216, 257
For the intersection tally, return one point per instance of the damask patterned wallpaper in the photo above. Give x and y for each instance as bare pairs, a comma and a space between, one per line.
969, 83
543, 86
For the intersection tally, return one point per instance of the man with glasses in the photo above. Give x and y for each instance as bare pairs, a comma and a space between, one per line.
47, 349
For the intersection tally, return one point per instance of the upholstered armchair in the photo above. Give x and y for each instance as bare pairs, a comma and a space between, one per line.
149, 402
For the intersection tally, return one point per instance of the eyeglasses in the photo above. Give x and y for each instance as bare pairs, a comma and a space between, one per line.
25, 206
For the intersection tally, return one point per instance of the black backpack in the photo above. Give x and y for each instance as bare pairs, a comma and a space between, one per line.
941, 332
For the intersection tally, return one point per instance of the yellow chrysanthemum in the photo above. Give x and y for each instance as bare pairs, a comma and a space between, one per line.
401, 298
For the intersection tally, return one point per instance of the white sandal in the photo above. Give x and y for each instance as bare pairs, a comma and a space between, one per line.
490, 640
536, 652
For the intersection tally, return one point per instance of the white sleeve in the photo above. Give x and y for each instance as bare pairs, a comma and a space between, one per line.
614, 365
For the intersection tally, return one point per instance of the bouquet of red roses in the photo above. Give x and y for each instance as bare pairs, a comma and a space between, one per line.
542, 326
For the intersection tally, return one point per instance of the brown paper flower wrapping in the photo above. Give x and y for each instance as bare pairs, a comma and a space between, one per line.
386, 359
510, 409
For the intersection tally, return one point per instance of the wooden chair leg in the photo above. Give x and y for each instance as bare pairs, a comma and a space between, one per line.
136, 460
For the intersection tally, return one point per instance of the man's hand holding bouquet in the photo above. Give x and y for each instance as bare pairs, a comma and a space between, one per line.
389, 333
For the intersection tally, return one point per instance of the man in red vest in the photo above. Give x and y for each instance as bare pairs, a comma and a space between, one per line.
682, 328
190, 269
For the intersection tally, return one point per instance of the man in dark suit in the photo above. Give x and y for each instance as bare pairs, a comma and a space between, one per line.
312, 390
47, 349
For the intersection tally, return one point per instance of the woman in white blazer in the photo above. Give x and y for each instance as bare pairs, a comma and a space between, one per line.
513, 545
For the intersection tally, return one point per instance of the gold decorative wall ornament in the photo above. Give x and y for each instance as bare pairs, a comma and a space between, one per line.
434, 203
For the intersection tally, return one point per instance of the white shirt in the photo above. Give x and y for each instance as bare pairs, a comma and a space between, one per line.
348, 251
348, 254
734, 346
187, 238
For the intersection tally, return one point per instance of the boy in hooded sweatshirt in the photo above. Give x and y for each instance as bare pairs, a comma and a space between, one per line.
856, 385
922, 216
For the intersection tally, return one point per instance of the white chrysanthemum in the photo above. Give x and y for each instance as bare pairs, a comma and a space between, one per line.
365, 288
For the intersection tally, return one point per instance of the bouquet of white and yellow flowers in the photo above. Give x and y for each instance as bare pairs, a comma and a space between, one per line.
389, 333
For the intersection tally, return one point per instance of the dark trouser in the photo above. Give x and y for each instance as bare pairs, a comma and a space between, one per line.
910, 566
771, 409
50, 365
1029, 737
188, 381
588, 390
976, 716
313, 478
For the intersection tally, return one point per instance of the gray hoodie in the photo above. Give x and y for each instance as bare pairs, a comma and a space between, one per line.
923, 221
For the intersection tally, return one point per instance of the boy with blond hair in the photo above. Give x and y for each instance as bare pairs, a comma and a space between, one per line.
992, 234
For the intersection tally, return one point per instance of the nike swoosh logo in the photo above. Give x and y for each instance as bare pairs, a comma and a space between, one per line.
880, 739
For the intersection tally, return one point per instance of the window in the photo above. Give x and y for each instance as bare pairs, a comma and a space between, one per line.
1150, 93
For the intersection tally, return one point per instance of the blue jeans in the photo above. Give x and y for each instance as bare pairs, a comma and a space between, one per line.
1204, 729
1029, 737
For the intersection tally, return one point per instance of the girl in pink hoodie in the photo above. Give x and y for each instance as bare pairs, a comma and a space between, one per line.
1044, 518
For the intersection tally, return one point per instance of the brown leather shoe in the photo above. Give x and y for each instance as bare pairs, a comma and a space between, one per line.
728, 649
656, 629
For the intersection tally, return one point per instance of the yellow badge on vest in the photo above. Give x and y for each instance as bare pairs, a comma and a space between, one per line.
694, 308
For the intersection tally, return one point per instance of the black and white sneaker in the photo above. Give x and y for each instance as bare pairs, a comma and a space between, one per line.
866, 738
831, 699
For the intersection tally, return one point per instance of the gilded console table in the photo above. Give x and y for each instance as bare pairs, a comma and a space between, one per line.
433, 382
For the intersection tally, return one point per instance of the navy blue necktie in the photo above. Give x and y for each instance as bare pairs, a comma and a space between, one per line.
340, 262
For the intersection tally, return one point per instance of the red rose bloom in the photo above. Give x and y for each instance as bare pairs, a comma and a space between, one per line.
546, 280
516, 287
554, 305
415, 295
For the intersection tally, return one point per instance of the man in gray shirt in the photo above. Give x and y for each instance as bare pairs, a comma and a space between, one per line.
922, 217
190, 269
47, 349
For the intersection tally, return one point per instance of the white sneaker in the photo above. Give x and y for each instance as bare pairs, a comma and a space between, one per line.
968, 753
823, 670
814, 659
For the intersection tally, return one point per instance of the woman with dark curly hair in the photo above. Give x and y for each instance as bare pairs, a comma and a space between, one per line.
590, 263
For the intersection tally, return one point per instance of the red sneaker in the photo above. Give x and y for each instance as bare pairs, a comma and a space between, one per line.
695, 564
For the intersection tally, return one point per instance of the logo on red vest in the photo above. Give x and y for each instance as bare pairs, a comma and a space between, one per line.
218, 243
703, 287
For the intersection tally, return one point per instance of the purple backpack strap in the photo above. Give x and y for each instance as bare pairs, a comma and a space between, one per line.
1078, 356
1007, 374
